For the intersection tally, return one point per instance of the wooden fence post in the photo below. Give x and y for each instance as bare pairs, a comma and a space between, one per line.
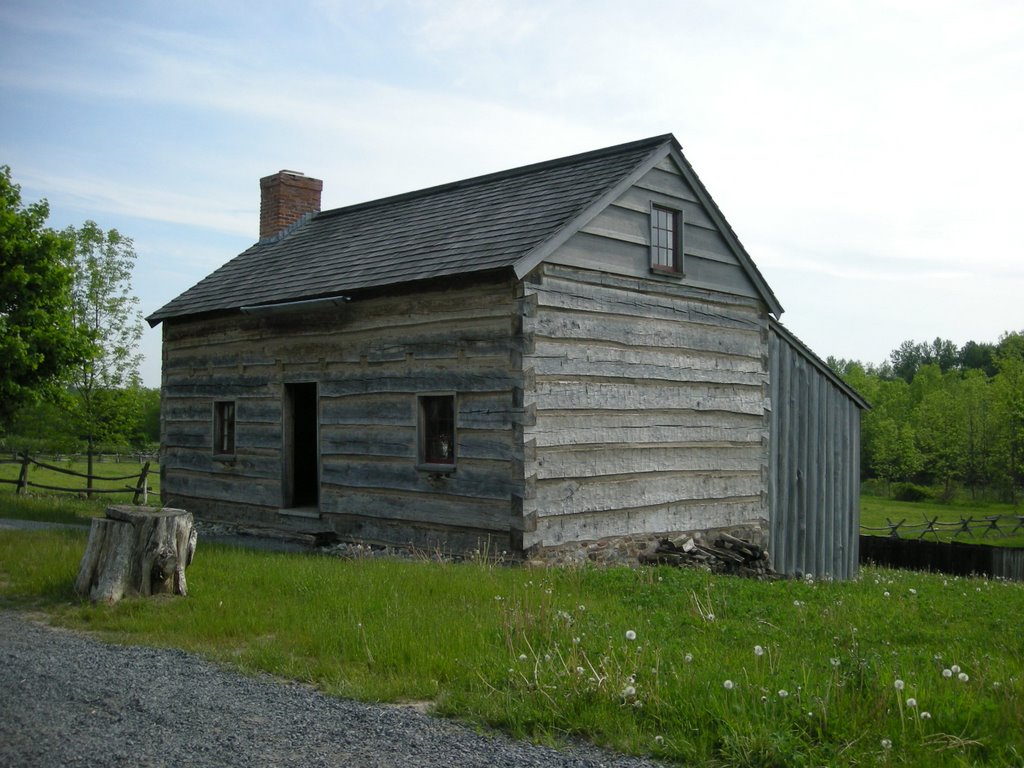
23, 475
140, 489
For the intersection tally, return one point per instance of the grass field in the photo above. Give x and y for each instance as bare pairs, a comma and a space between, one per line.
896, 668
875, 509
41, 476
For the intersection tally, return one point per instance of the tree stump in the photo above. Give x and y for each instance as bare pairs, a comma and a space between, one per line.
136, 551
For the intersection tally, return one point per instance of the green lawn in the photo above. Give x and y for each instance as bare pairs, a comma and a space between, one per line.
896, 668
875, 509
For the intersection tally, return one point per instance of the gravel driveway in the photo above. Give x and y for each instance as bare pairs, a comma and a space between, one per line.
69, 700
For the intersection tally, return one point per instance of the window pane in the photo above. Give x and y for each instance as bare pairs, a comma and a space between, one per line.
437, 429
664, 239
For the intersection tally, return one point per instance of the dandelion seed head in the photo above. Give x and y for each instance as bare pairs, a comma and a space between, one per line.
628, 692
729, 685
885, 594
947, 673
886, 743
899, 685
926, 715
758, 650
659, 740
688, 658
955, 668
580, 670
783, 693
711, 617
522, 657
835, 661
630, 634
962, 677
913, 591
911, 702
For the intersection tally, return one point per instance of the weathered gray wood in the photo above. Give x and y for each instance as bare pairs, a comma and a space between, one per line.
814, 465
369, 362
437, 509
590, 394
553, 358
556, 428
590, 460
675, 517
136, 551
574, 496
654, 333
624, 300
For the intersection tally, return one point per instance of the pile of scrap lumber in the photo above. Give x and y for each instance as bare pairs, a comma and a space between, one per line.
728, 555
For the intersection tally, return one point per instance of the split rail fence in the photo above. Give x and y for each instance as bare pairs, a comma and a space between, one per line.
140, 488
997, 525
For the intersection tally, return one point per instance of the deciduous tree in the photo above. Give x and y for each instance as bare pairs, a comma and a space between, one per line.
104, 388
38, 338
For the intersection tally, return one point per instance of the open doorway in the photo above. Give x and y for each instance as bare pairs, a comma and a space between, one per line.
301, 491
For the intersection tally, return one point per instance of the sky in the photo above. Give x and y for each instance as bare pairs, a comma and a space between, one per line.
868, 154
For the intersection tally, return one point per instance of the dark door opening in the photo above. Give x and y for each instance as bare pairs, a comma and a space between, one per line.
301, 446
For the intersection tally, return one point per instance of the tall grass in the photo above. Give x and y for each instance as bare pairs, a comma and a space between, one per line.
679, 664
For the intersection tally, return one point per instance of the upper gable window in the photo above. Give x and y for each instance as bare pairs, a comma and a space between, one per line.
666, 239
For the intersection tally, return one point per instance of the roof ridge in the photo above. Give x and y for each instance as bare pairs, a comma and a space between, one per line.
593, 154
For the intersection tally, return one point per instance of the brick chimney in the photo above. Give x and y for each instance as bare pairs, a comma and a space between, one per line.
285, 197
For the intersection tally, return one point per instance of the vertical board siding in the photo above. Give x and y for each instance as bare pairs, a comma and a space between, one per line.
648, 404
370, 359
815, 472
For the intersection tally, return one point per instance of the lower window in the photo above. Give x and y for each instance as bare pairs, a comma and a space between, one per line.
437, 429
224, 427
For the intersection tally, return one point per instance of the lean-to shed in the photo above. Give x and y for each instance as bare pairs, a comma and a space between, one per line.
535, 360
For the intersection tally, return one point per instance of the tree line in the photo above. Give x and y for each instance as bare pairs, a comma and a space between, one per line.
69, 332
944, 416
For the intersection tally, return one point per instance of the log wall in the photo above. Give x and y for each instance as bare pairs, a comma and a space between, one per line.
369, 359
647, 405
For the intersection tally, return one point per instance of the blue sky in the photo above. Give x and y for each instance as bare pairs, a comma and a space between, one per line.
869, 154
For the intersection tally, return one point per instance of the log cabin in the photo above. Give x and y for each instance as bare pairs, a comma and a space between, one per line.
575, 356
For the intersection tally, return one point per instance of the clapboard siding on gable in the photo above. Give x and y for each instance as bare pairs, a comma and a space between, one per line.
370, 359
618, 238
646, 398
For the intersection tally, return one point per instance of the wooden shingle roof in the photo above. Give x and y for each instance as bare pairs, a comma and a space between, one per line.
505, 220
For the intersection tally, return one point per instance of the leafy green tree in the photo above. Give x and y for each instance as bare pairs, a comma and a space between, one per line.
980, 357
104, 389
1008, 397
980, 429
939, 429
38, 338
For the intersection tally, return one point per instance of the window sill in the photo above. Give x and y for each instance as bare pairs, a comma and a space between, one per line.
668, 274
436, 469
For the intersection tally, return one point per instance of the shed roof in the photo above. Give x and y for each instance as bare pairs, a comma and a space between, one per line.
507, 220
